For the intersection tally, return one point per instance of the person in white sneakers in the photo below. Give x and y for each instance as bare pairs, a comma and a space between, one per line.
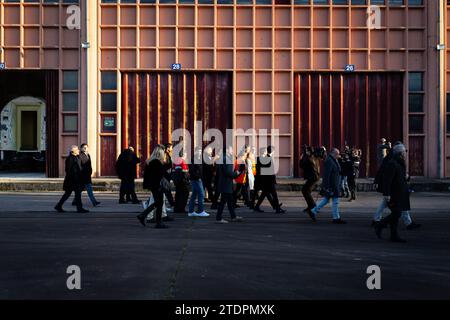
198, 192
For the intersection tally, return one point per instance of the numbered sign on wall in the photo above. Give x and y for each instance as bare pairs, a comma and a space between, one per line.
2, 65
176, 66
349, 68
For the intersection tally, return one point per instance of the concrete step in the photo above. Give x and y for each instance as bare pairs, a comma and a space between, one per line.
284, 184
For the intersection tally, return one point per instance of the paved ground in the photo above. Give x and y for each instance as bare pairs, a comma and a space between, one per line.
266, 257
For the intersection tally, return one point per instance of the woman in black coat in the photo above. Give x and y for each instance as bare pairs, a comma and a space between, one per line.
153, 175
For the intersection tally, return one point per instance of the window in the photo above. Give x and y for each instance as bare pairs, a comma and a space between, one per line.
377, 2
415, 81
70, 123
70, 80
416, 124
340, 2
396, 2
359, 2
109, 102
320, 1
415, 2
415, 102
69, 92
109, 80
297, 1
448, 124
70, 101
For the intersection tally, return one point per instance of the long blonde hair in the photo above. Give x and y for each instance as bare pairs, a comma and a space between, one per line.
158, 153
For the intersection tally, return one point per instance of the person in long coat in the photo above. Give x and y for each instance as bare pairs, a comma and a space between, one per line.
378, 183
73, 181
154, 173
126, 170
395, 192
86, 174
226, 174
330, 189
266, 182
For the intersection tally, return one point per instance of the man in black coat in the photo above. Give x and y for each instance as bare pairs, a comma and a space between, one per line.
226, 174
86, 173
73, 181
378, 183
309, 163
126, 170
330, 189
395, 192
266, 181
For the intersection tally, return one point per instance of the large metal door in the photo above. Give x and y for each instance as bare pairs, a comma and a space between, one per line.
332, 109
155, 104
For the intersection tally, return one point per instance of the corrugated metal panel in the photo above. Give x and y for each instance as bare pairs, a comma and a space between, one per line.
52, 123
333, 109
155, 104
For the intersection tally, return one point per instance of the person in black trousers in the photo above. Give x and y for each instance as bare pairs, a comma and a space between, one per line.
395, 192
126, 170
153, 174
226, 174
72, 181
311, 172
208, 174
168, 147
181, 181
267, 182
86, 173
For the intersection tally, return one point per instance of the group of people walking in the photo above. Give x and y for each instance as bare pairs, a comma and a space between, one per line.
222, 179
214, 175
340, 171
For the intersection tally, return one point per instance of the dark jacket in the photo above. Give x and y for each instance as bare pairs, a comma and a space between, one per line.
395, 184
196, 170
331, 178
73, 180
153, 174
86, 168
378, 181
310, 166
265, 177
126, 165
226, 174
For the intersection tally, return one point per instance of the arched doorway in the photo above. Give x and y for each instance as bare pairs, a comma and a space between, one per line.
23, 137
29, 114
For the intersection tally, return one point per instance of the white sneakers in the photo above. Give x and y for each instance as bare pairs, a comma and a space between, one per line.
195, 214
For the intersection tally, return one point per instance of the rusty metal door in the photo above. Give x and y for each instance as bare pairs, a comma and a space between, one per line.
332, 109
154, 104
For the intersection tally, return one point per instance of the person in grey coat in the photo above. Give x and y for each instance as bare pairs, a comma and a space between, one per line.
226, 174
330, 188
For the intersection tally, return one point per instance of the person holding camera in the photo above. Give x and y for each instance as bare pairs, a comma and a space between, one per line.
330, 187
309, 163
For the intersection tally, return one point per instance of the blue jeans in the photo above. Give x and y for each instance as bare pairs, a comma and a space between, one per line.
90, 193
383, 205
334, 206
197, 192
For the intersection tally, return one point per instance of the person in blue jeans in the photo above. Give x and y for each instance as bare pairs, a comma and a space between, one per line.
198, 192
86, 173
330, 187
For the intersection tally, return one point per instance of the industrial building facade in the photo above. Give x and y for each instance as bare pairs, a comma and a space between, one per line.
321, 72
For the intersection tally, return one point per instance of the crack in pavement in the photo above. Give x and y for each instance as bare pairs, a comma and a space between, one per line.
172, 283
